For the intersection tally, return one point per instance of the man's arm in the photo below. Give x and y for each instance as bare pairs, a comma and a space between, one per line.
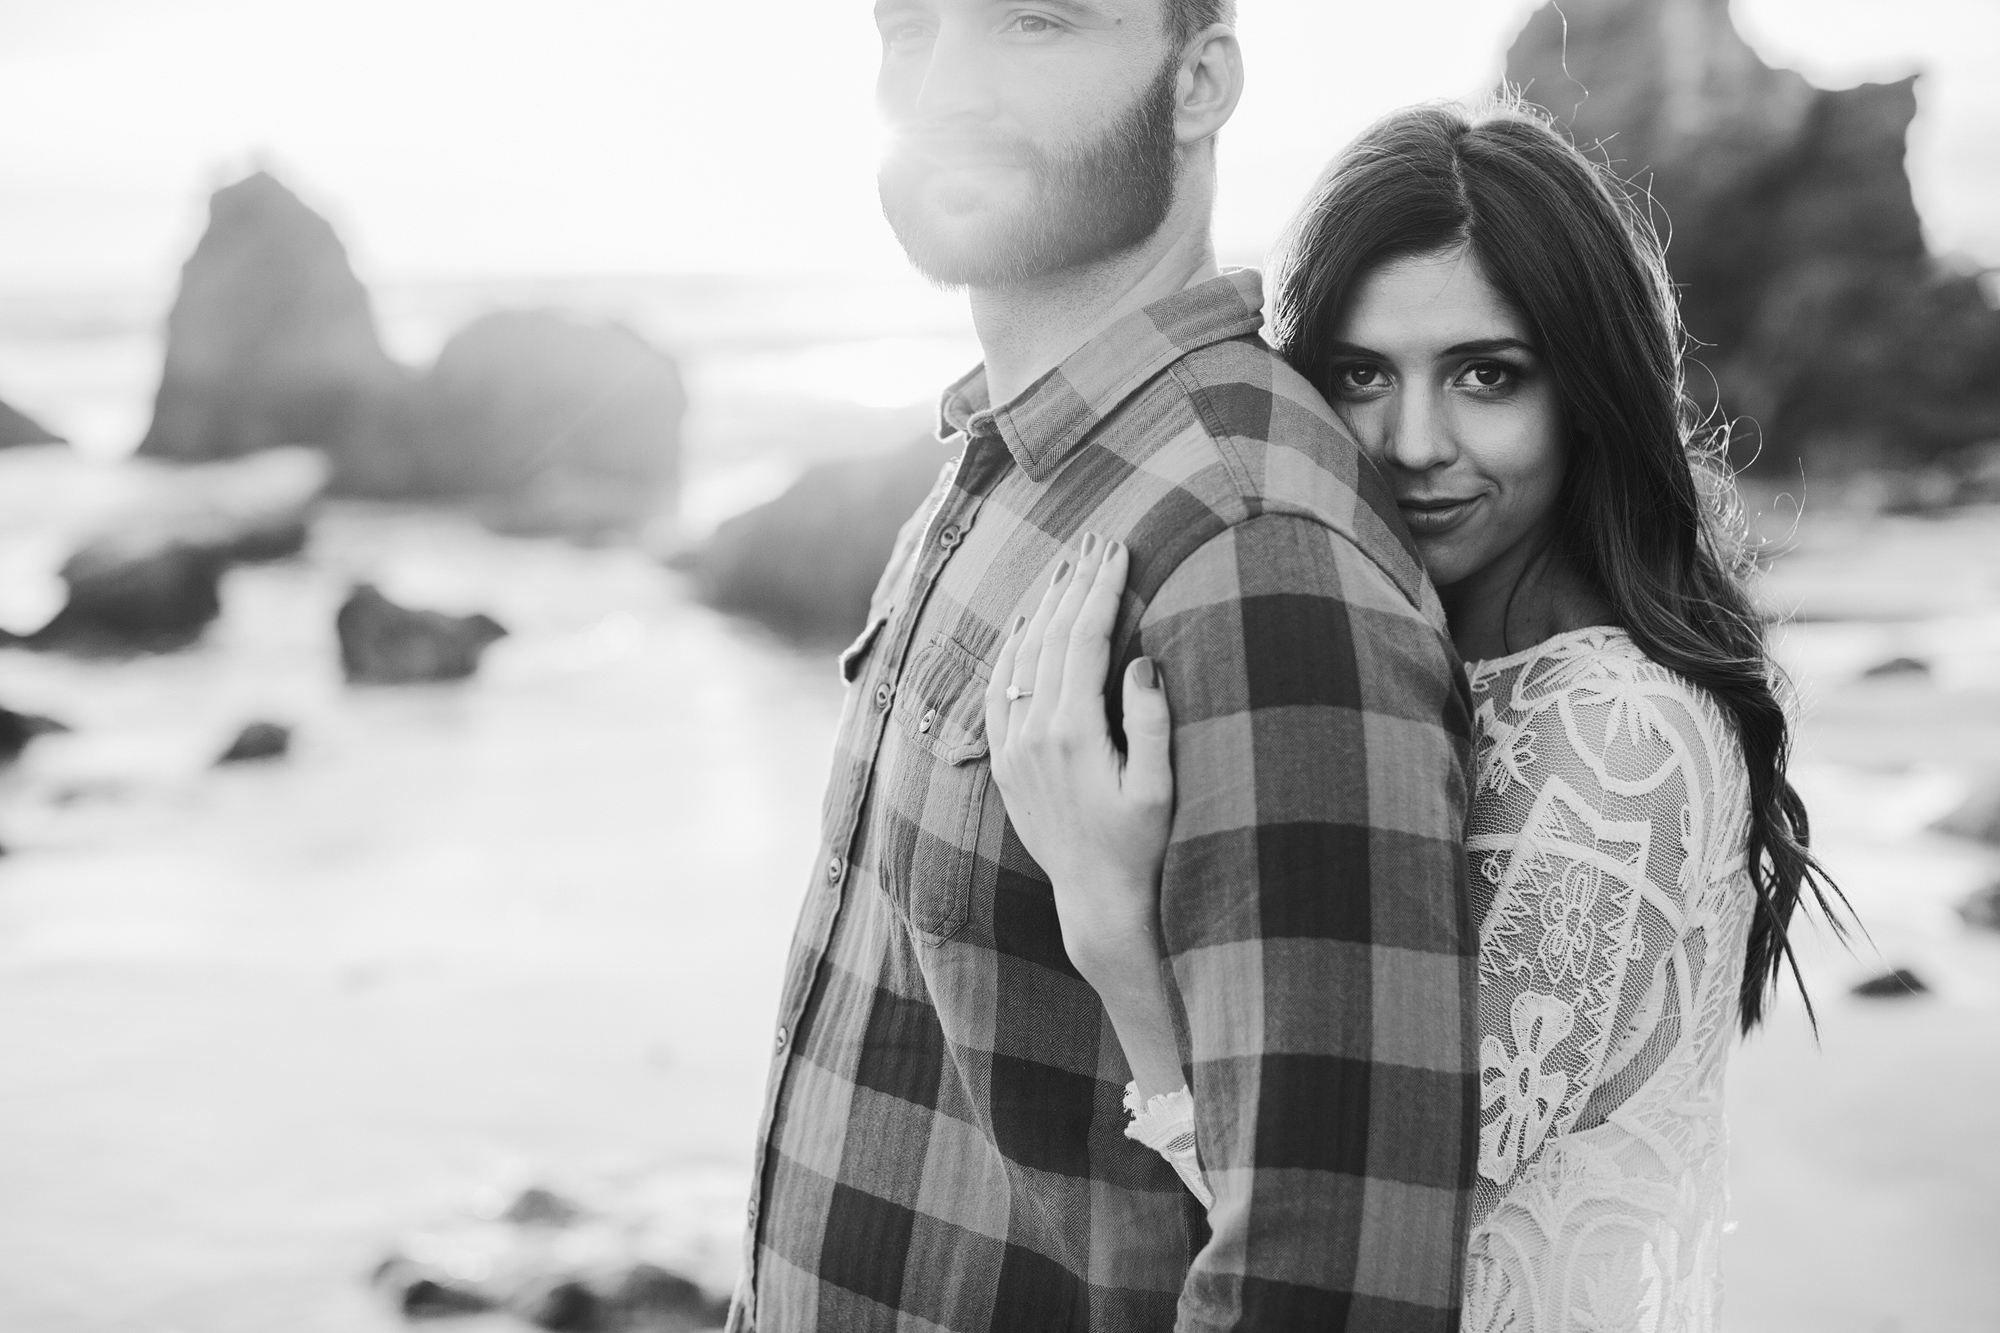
1318, 931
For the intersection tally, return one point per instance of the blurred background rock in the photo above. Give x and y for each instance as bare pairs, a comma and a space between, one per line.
420, 550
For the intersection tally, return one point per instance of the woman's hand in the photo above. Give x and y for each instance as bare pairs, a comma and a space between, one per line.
1095, 820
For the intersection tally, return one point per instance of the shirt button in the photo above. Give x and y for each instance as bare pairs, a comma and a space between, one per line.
883, 696
835, 869
784, 1035
929, 720
951, 537
751, 1212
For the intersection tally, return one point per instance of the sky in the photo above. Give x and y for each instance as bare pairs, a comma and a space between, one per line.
496, 138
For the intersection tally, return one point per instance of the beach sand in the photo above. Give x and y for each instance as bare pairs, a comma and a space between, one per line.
258, 1023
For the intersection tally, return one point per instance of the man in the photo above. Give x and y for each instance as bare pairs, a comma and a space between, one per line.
942, 1145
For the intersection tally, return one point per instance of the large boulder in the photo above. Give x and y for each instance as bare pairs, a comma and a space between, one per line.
542, 422
16, 428
149, 546
1831, 333
271, 339
134, 593
382, 643
806, 563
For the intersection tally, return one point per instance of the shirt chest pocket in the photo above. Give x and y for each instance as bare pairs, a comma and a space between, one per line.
937, 789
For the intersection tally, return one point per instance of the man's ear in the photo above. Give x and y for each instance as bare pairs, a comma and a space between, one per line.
1211, 84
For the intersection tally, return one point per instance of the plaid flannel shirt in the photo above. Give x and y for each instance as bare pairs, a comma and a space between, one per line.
942, 1142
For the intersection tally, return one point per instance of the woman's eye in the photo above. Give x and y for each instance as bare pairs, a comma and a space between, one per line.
1486, 375
1361, 377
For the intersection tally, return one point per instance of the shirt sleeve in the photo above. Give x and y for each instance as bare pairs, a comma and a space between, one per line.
1318, 934
1588, 833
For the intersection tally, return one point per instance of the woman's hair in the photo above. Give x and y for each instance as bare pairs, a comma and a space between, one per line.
1647, 508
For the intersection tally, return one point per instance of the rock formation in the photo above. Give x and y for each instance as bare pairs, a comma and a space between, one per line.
544, 423
805, 563
17, 428
1794, 235
145, 575
271, 339
382, 643
538, 422
136, 592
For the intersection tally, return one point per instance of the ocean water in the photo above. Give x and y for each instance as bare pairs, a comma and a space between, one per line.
257, 1024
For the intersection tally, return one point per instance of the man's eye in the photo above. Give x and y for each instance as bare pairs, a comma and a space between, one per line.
1033, 23
899, 34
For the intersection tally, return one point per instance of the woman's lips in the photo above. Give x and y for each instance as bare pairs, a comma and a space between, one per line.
1435, 517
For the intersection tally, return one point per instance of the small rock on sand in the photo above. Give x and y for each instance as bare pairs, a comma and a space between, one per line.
1898, 667
382, 643
1982, 909
258, 740
1978, 818
1892, 985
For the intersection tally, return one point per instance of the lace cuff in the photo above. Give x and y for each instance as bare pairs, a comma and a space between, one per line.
1166, 1125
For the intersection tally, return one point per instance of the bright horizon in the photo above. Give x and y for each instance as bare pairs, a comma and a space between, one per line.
518, 138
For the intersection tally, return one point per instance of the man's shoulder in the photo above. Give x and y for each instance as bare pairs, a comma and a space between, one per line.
1257, 439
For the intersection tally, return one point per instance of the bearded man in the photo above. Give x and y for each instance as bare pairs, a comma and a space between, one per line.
942, 1144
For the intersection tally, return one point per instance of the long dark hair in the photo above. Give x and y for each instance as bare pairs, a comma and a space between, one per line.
1646, 510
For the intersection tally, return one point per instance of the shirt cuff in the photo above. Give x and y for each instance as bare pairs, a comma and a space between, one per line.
1166, 1125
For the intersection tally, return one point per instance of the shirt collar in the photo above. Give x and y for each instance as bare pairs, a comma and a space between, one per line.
1049, 418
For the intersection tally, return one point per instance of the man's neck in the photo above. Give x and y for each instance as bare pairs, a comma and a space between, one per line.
1025, 331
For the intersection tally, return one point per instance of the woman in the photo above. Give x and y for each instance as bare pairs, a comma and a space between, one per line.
1495, 324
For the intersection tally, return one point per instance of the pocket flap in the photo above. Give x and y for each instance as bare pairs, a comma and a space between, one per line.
943, 701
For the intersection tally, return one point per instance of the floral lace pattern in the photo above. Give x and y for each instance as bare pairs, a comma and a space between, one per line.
1607, 841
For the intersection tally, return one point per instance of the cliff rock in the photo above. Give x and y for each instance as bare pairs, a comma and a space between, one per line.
271, 339
806, 563
1794, 235
543, 423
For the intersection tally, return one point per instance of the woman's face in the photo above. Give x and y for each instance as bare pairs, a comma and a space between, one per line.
1441, 383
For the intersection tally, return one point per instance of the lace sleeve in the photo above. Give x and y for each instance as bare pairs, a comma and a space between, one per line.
1586, 837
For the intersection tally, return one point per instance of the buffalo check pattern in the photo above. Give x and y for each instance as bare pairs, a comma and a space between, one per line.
942, 1145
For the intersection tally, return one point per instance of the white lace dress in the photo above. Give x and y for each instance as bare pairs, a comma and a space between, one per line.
1607, 855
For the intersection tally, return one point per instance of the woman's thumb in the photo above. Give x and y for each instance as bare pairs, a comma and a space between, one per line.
1149, 729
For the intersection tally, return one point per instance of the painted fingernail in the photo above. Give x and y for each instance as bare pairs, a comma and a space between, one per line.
1116, 548
1062, 572
1089, 542
1020, 622
1146, 673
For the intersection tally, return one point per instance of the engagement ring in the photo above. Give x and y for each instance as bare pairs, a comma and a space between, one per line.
1016, 692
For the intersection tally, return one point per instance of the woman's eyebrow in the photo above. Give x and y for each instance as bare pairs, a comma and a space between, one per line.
1479, 345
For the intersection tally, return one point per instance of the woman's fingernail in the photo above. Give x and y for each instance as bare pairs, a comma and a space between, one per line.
1146, 673
1062, 572
1020, 622
1116, 548
1089, 542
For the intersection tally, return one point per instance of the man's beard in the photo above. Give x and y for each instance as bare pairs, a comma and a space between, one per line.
1083, 205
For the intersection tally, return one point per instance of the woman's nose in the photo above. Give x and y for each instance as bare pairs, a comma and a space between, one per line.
1420, 433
